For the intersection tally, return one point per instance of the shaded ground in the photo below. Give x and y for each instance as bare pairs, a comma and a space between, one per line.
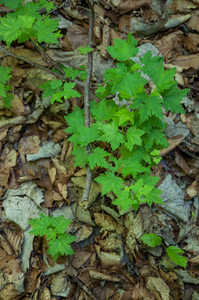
37, 168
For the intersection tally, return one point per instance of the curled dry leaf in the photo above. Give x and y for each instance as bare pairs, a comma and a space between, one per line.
14, 239
45, 294
129, 5
191, 43
59, 165
181, 5
106, 40
110, 243
80, 258
28, 145
83, 233
174, 141
192, 190
170, 45
102, 276
6, 246
107, 222
9, 292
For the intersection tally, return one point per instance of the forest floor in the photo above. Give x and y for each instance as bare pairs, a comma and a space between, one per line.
37, 172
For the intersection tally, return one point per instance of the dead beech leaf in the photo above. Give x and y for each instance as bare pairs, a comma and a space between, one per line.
194, 260
124, 24
28, 145
106, 40
158, 288
110, 243
193, 189
191, 43
9, 292
83, 233
45, 294
59, 165
107, 222
80, 258
181, 5
4, 175
3, 134
170, 45
52, 174
14, 239
77, 36
109, 259
187, 61
179, 159
193, 22
174, 141
6, 246
140, 292
130, 5
62, 190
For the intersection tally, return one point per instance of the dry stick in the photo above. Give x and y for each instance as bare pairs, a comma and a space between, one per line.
89, 173
38, 66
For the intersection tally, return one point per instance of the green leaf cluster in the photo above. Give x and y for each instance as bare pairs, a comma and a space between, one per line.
153, 240
27, 23
54, 228
135, 131
4, 78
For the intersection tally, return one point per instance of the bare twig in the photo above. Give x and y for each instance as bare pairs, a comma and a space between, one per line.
89, 173
8, 53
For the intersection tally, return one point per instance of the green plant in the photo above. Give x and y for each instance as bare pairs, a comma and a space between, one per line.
4, 78
26, 23
153, 240
125, 141
54, 228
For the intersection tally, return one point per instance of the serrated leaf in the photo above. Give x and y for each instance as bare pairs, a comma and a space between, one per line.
40, 225
173, 97
133, 137
12, 4
150, 63
148, 105
125, 115
122, 49
101, 111
151, 239
132, 165
123, 199
69, 91
157, 137
60, 246
110, 183
9, 29
84, 136
75, 119
163, 79
112, 135
173, 253
60, 224
4, 74
97, 158
125, 81
7, 100
154, 197
45, 30
50, 87
85, 50
81, 156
